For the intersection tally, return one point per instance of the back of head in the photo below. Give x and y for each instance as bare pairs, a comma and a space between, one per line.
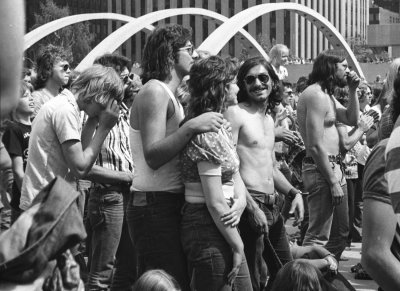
156, 280
387, 90
301, 84
324, 70
48, 56
160, 51
274, 97
113, 60
98, 84
298, 275
206, 86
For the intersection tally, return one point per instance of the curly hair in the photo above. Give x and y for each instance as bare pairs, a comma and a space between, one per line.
49, 56
113, 60
160, 51
206, 86
232, 68
324, 71
274, 97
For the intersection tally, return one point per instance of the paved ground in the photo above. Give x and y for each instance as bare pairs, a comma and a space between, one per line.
354, 256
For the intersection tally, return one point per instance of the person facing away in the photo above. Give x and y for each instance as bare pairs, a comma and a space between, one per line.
261, 226
53, 72
318, 113
55, 146
153, 210
210, 172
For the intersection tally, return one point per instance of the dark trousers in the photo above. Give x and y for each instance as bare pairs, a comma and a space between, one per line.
154, 226
273, 248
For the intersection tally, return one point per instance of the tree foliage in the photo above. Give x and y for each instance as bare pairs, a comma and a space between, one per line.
75, 39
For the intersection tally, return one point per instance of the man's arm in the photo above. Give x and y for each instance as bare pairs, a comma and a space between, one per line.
379, 226
152, 115
100, 174
317, 108
18, 170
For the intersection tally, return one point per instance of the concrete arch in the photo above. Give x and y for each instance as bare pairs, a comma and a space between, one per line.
44, 30
215, 41
118, 37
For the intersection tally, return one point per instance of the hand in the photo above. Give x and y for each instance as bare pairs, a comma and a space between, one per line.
353, 80
332, 264
258, 221
109, 116
210, 121
337, 194
298, 209
374, 114
285, 135
237, 262
232, 217
365, 122
227, 125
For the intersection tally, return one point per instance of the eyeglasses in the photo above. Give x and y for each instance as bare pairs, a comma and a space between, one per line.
188, 48
250, 79
66, 67
126, 78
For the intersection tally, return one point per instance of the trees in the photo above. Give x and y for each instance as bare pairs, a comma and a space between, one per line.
75, 39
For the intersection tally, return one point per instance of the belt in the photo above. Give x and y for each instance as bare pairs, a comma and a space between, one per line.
332, 158
141, 198
266, 199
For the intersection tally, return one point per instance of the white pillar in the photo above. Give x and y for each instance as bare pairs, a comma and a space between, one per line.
173, 4
185, 17
211, 22
129, 42
198, 22
161, 6
280, 25
302, 34
225, 12
320, 35
138, 40
238, 45
265, 24
294, 35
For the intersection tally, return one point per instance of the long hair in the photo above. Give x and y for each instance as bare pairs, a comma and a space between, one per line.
273, 98
387, 89
232, 68
300, 276
396, 98
113, 60
45, 62
156, 280
98, 84
206, 86
324, 70
160, 51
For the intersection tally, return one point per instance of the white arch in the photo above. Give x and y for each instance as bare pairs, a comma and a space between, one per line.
215, 41
118, 37
42, 31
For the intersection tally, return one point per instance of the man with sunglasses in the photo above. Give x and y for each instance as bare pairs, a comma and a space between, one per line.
53, 72
319, 114
153, 211
262, 226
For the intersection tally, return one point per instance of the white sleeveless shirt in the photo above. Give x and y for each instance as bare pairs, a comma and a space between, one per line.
167, 177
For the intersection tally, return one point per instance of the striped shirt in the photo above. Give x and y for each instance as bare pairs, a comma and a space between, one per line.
392, 170
115, 153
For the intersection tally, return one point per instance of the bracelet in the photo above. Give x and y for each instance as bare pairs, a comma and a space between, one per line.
292, 193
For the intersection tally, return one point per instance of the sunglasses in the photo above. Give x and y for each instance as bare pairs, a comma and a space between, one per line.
126, 78
250, 79
66, 67
188, 48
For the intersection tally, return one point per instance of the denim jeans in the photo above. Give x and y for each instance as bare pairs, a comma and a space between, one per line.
154, 227
125, 269
104, 225
328, 224
272, 248
208, 254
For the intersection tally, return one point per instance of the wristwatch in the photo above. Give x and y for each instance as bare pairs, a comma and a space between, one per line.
292, 193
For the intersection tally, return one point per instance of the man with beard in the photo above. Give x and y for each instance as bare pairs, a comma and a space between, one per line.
262, 227
318, 113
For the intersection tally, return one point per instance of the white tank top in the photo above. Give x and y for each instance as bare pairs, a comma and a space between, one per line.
167, 177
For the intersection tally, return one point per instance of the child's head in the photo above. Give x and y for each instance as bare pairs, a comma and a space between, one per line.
299, 275
25, 104
156, 280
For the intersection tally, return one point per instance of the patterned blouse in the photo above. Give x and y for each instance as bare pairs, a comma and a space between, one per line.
211, 147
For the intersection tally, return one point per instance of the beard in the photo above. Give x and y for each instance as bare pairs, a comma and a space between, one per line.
340, 82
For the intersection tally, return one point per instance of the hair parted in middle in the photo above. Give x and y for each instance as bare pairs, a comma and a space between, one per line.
161, 51
98, 84
274, 97
207, 82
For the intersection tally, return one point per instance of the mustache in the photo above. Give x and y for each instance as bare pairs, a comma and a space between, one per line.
266, 87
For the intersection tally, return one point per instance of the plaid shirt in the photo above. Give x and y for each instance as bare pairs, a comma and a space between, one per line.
115, 153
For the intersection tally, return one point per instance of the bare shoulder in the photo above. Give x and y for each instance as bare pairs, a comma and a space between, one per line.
234, 113
313, 96
152, 93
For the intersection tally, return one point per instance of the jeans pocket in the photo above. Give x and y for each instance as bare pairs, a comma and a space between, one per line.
112, 198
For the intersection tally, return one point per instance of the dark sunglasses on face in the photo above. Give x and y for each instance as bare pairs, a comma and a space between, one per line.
126, 78
250, 79
66, 67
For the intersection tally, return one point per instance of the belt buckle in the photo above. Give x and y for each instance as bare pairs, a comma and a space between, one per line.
139, 198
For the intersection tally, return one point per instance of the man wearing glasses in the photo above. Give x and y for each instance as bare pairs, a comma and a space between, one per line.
153, 211
262, 226
53, 72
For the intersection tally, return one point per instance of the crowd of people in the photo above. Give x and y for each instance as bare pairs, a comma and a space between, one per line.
187, 174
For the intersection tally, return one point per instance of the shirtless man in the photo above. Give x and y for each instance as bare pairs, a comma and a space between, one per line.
317, 113
253, 134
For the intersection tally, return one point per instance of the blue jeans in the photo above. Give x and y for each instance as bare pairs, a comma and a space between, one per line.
208, 254
154, 220
272, 249
104, 225
328, 224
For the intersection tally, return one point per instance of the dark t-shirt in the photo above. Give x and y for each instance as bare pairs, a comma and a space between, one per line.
376, 187
16, 141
